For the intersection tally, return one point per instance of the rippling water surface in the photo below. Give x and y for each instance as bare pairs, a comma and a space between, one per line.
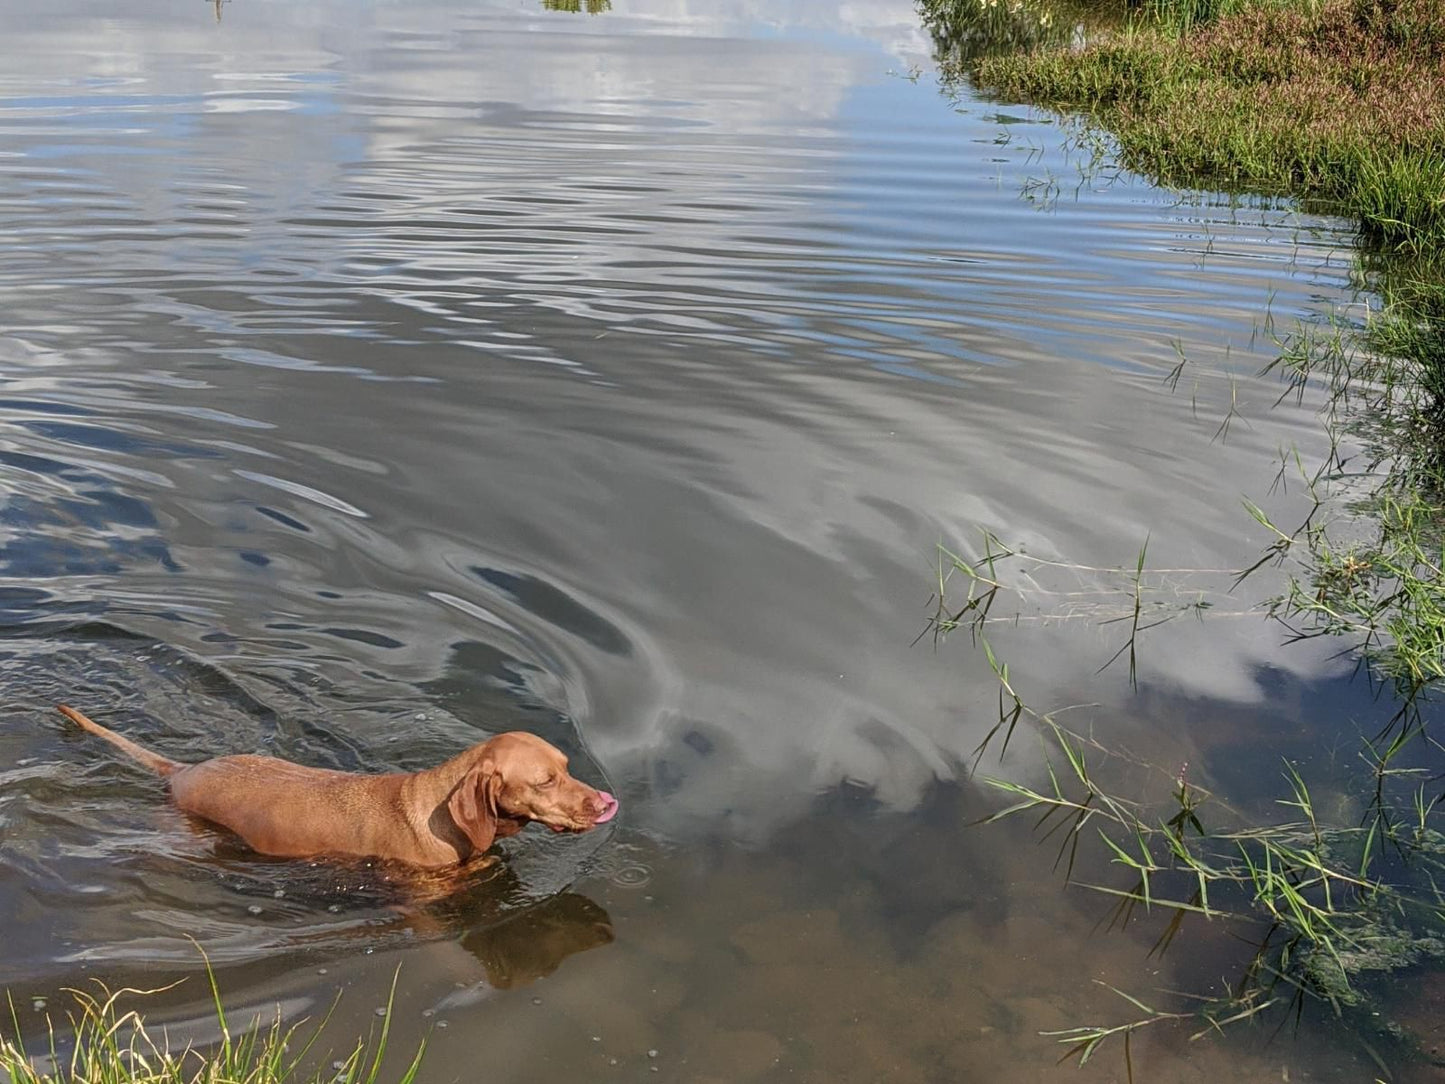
377, 377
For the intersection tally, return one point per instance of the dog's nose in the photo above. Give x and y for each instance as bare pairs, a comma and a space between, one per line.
606, 807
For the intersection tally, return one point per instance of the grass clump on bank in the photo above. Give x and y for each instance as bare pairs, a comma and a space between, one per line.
104, 1041
1340, 101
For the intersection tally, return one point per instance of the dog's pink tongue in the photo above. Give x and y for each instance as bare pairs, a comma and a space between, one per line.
611, 810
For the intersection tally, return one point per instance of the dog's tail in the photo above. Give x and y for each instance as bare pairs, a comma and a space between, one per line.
154, 761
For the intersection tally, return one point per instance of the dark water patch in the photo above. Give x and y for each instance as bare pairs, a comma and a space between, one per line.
556, 607
363, 636
283, 519
41, 406
106, 439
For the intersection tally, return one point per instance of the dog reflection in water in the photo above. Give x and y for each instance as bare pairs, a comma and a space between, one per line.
515, 943
530, 944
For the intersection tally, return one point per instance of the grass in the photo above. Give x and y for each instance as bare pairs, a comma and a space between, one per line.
1327, 905
103, 1040
1341, 102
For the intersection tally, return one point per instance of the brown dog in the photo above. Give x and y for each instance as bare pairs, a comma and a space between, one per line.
441, 817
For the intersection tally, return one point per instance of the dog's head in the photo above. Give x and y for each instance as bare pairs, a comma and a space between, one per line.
517, 777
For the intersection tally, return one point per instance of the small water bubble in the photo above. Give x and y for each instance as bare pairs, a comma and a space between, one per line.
428, 1012
38, 1004
338, 1065
254, 909
321, 970
441, 1023
597, 1038
421, 716
369, 951
335, 908
611, 1061
278, 894
652, 1053
381, 1010
536, 1001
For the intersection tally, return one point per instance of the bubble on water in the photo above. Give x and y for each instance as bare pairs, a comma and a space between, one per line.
428, 1012
335, 908
536, 1001
278, 894
338, 1065
38, 1004
421, 716
254, 909
321, 970
652, 1053
381, 1010
633, 876
441, 1023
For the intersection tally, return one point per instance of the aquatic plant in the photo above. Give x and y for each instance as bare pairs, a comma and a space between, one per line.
1327, 904
103, 1040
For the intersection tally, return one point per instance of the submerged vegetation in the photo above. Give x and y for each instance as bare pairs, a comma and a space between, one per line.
105, 1041
1341, 104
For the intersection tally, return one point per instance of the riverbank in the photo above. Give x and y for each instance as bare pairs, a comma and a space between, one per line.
1340, 102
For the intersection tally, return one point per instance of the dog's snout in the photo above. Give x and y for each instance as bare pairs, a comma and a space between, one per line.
604, 807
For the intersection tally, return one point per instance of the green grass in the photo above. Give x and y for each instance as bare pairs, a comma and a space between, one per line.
104, 1039
1341, 102
1329, 905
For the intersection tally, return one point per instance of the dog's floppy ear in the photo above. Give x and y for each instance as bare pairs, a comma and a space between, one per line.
473, 805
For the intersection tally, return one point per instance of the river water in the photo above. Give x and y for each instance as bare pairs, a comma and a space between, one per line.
377, 377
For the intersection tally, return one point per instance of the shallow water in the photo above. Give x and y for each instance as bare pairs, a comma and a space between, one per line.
378, 377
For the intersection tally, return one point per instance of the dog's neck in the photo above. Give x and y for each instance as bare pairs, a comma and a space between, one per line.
431, 790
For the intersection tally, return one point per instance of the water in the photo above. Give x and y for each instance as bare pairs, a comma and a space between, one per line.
377, 377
